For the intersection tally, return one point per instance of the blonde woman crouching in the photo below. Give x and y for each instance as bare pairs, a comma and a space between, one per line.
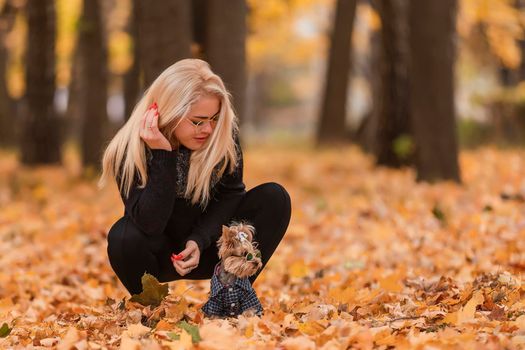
178, 165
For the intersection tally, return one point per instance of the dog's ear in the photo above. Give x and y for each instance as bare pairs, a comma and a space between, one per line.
228, 235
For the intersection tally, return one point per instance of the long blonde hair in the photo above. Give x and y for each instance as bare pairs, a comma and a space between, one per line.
175, 90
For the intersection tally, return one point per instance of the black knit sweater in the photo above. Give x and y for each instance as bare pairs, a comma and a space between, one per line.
160, 207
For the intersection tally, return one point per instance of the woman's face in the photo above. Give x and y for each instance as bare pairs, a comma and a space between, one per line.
194, 130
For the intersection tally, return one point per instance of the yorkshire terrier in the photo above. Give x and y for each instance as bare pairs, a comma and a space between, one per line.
231, 292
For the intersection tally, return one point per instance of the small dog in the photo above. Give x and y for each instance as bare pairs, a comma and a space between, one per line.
231, 292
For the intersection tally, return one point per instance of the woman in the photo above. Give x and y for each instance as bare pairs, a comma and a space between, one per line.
178, 164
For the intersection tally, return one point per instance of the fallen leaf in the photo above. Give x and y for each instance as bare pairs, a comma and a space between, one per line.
192, 330
152, 291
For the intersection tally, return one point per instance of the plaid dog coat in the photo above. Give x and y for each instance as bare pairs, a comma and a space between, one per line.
231, 300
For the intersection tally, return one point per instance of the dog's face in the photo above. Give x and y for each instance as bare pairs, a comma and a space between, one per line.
238, 251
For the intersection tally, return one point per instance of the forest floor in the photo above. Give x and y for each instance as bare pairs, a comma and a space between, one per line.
371, 260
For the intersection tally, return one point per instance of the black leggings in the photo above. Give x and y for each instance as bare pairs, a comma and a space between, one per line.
131, 253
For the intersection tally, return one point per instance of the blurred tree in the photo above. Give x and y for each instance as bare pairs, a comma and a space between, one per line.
199, 14
432, 57
385, 131
225, 47
331, 126
7, 124
93, 83
391, 105
164, 34
132, 86
41, 136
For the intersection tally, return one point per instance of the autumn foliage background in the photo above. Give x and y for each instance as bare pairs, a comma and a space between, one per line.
373, 258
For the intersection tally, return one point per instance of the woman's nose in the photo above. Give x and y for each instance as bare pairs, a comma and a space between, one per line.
206, 128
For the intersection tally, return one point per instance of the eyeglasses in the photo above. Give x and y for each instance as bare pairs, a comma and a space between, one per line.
249, 256
199, 124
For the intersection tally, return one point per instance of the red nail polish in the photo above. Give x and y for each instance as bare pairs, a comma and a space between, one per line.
155, 105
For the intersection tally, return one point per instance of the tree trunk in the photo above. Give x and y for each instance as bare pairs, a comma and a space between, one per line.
8, 123
41, 136
132, 86
332, 126
164, 28
199, 15
393, 104
93, 63
366, 133
225, 47
432, 56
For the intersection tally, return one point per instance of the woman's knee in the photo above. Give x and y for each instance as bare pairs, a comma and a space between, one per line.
272, 201
276, 195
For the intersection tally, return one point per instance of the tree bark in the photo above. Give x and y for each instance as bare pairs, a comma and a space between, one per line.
41, 136
164, 31
199, 25
8, 124
432, 56
132, 86
332, 126
225, 47
93, 82
393, 104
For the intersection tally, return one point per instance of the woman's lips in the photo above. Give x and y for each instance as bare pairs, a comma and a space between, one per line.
201, 139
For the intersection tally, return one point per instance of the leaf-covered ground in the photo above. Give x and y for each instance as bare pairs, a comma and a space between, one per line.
371, 260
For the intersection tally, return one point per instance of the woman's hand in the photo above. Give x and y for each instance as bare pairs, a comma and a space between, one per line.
190, 255
150, 132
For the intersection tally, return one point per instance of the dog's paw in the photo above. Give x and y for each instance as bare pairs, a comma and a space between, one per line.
250, 312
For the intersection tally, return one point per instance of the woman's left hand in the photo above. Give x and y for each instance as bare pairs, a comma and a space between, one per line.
190, 256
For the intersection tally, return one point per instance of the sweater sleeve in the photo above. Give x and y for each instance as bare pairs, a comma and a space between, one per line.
229, 193
151, 207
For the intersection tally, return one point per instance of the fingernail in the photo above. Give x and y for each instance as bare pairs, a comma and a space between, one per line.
155, 105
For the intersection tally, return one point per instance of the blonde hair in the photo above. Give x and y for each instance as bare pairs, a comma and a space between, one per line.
175, 90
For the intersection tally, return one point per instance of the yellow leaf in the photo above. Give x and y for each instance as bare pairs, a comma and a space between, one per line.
185, 339
343, 296
248, 332
6, 304
68, 341
298, 269
467, 312
391, 283
176, 311
451, 318
310, 328
163, 325
136, 330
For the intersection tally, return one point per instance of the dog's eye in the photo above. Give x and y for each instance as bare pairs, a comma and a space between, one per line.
249, 256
